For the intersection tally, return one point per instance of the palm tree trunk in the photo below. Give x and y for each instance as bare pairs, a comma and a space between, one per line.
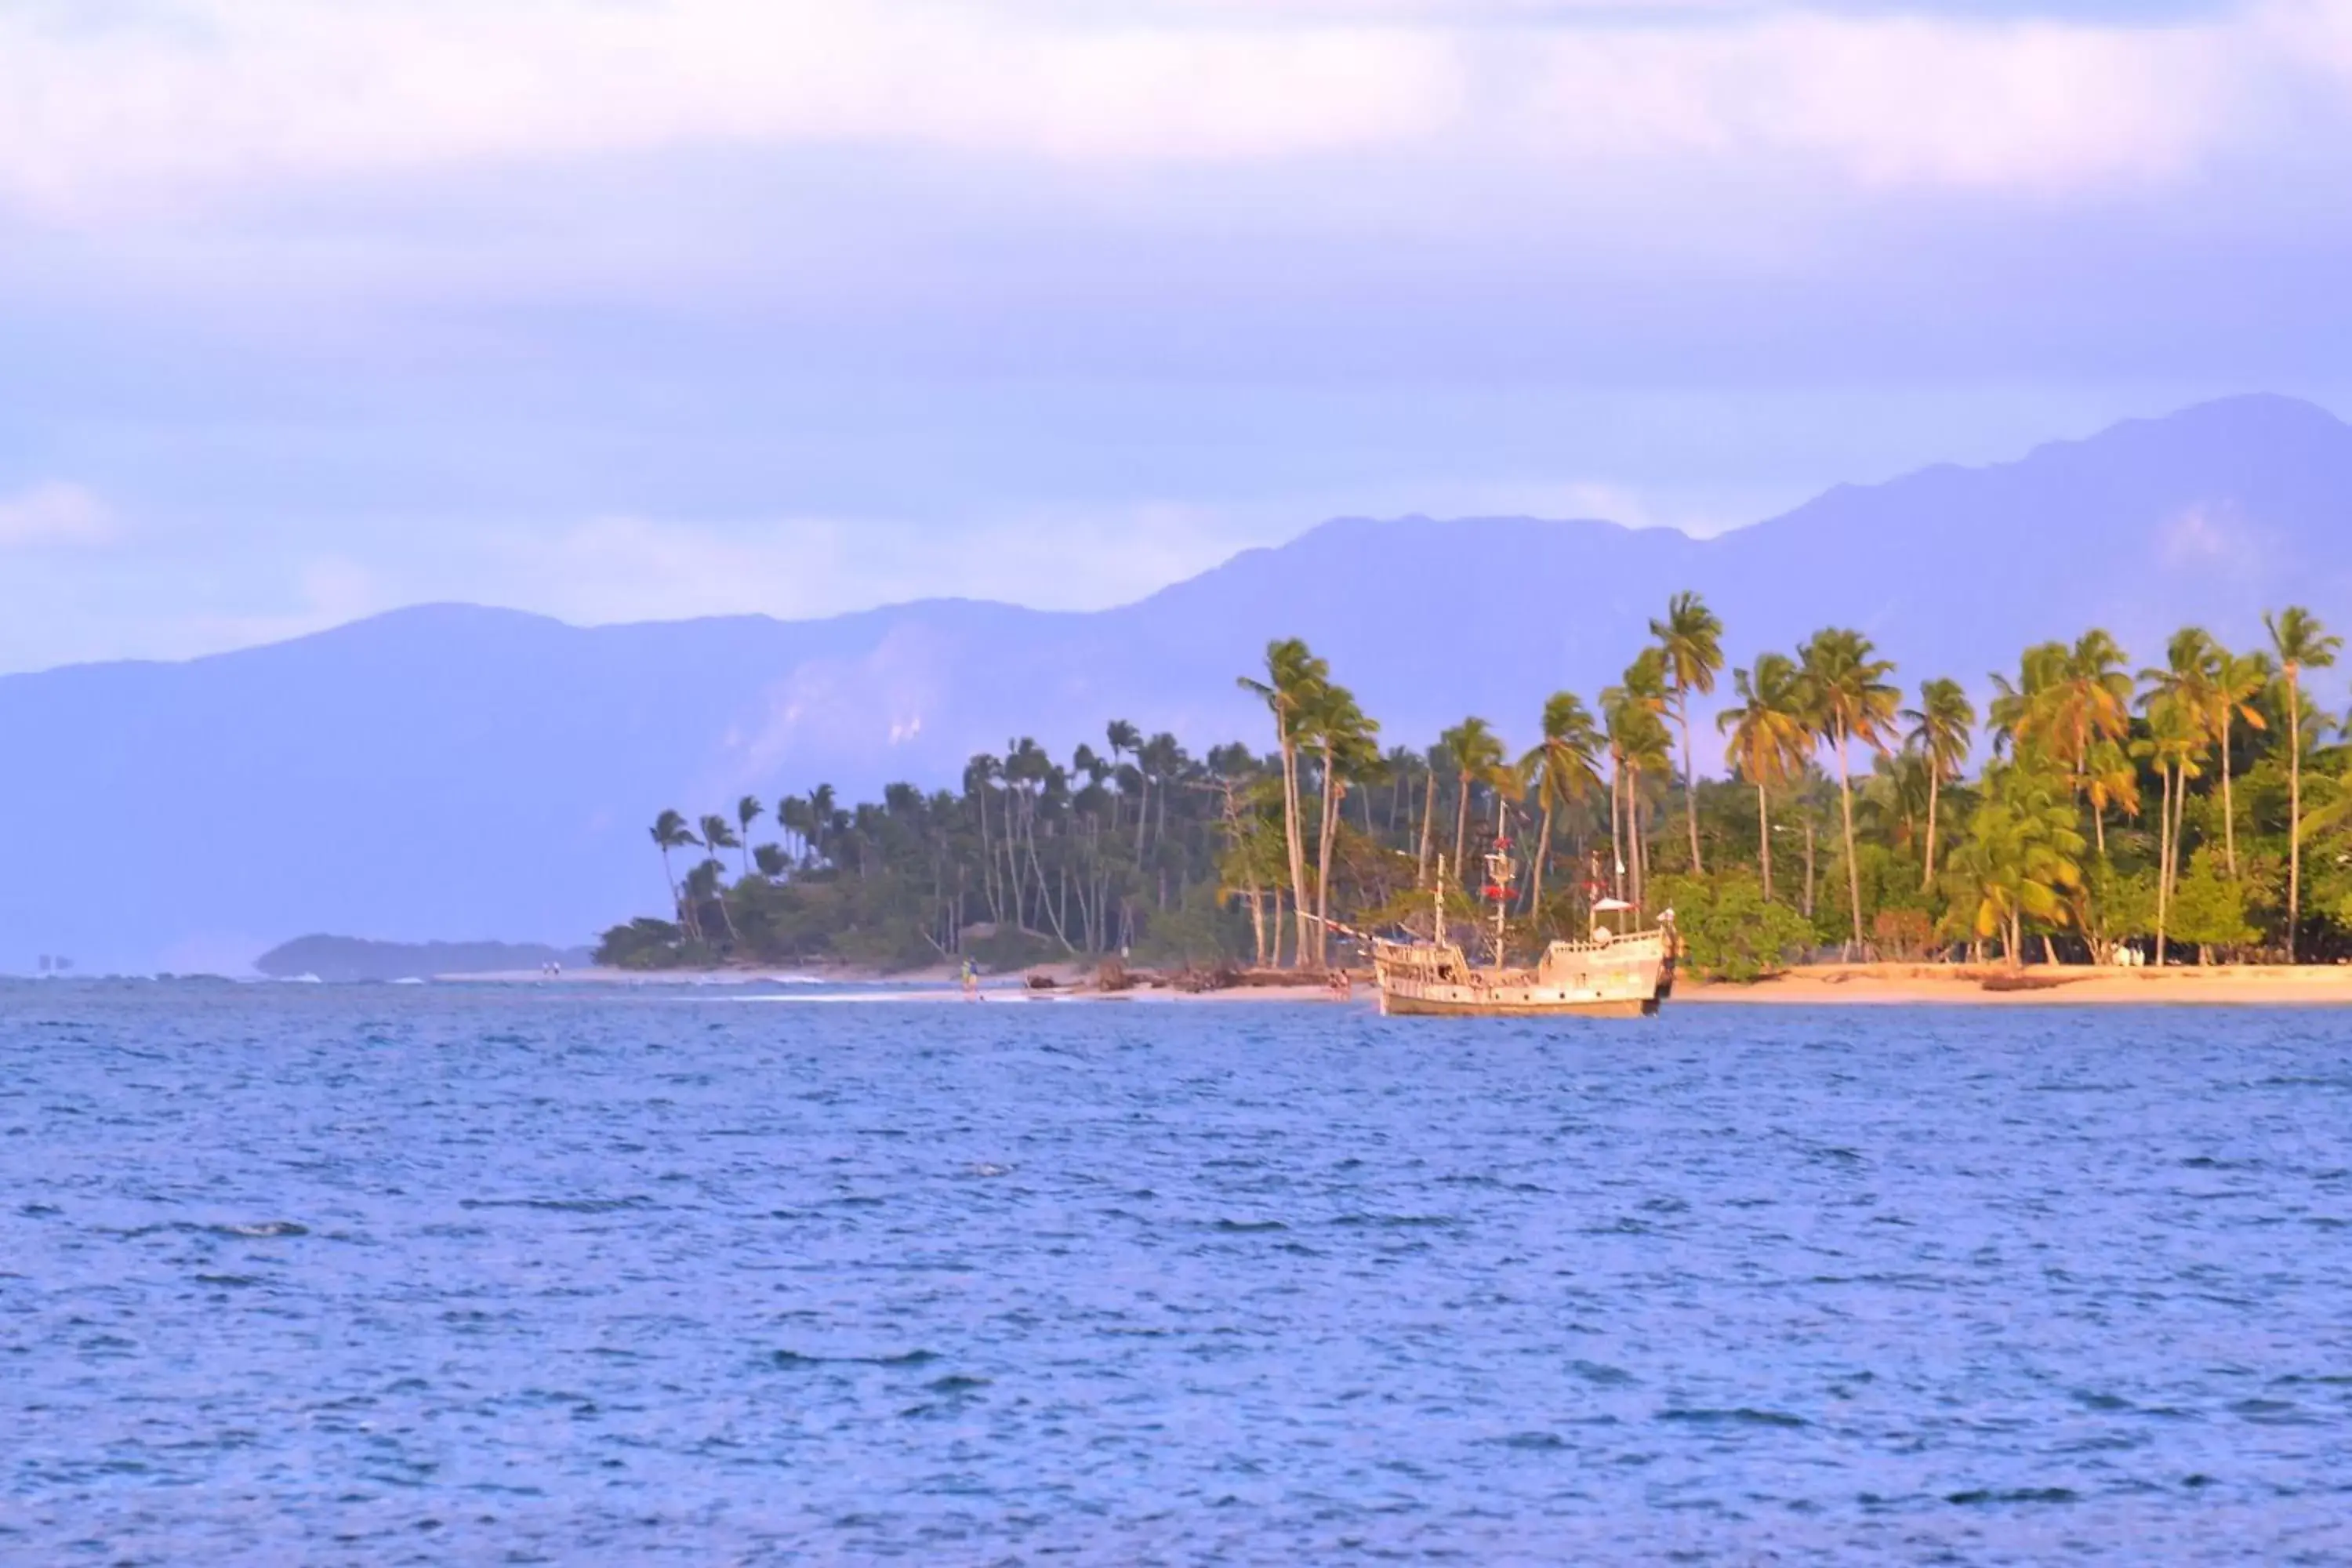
1640, 838
1428, 816
1616, 833
2173, 854
1764, 841
1690, 788
1293, 829
2163, 862
2294, 810
2228, 806
1330, 824
1634, 836
1543, 853
1852, 867
1461, 824
1934, 778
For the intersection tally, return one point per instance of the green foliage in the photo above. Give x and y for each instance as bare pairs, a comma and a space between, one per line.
1202, 930
1729, 931
642, 944
2208, 908
2093, 780
2022, 858
2120, 906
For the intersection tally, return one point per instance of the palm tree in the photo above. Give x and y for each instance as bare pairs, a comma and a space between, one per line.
1563, 769
702, 885
1124, 739
1940, 729
2097, 707
1294, 679
1158, 760
820, 817
747, 812
2237, 679
716, 835
1769, 741
1350, 743
670, 832
2021, 856
1691, 639
2301, 643
1637, 744
1478, 753
2176, 740
1848, 700
2067, 702
1435, 763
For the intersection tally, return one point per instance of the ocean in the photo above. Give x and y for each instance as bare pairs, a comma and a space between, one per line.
562, 1274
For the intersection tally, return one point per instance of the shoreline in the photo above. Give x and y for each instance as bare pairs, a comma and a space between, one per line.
1812, 985
2035, 985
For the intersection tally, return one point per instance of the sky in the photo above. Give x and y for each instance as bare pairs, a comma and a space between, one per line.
628, 309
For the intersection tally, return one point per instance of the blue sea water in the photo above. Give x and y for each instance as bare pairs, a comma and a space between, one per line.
446, 1274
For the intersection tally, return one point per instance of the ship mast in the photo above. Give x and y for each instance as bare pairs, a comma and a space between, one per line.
1437, 905
1498, 880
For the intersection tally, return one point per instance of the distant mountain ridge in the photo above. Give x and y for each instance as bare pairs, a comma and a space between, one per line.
345, 958
450, 767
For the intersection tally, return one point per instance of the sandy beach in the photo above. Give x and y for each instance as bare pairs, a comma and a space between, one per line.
2065, 985
1817, 985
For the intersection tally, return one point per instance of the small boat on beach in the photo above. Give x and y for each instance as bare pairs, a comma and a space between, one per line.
1611, 974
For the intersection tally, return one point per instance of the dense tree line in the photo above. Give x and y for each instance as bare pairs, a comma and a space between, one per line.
2199, 807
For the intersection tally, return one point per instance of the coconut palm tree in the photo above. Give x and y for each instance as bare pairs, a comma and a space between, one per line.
706, 883
1350, 743
1940, 728
2021, 856
748, 811
2067, 701
2239, 681
1293, 683
1691, 639
1563, 769
1437, 762
1478, 755
1769, 742
719, 833
2022, 715
1124, 739
2176, 740
821, 810
1847, 698
670, 832
1637, 744
2300, 643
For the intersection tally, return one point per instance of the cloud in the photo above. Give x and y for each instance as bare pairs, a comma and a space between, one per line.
55, 516
194, 96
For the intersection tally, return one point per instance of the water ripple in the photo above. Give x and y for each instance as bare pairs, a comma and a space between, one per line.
458, 1274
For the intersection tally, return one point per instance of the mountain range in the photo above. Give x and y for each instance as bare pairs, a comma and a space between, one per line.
458, 772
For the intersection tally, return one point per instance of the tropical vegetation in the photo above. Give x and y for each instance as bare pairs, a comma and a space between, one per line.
2198, 810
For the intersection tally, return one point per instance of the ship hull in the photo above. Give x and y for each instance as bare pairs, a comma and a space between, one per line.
1400, 1003
1626, 977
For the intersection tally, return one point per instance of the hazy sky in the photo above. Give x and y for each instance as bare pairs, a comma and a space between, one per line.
619, 308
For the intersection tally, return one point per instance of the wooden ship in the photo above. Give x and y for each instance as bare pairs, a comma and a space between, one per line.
1611, 974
